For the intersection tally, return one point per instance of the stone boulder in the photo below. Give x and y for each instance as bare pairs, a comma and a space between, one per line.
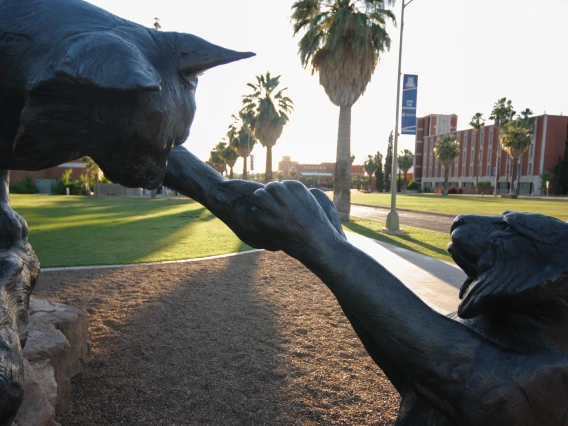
56, 350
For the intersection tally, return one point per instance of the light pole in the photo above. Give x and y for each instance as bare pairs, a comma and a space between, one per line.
392, 226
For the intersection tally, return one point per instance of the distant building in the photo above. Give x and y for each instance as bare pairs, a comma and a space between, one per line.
45, 179
478, 152
321, 173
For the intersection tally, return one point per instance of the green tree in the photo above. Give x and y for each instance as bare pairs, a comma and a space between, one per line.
280, 175
342, 41
405, 162
269, 109
241, 138
379, 174
229, 156
516, 137
92, 169
370, 166
546, 176
293, 172
447, 149
501, 113
388, 162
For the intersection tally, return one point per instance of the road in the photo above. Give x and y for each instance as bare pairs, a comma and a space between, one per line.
432, 222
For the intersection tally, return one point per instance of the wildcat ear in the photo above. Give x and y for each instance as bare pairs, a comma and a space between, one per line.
108, 61
195, 55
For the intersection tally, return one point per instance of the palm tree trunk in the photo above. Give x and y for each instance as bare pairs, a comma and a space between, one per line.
231, 173
513, 174
342, 186
446, 179
517, 176
268, 169
497, 157
405, 177
245, 175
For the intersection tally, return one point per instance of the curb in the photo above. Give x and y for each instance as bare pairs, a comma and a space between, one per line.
453, 216
130, 265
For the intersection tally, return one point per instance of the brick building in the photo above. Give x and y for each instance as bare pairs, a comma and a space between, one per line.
45, 179
478, 152
322, 173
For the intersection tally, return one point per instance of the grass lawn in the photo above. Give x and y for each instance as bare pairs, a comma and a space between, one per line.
430, 243
71, 231
459, 204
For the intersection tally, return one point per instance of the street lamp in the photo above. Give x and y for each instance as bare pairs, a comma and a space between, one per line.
392, 226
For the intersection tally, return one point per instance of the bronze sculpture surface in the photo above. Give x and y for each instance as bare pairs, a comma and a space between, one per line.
76, 80
502, 359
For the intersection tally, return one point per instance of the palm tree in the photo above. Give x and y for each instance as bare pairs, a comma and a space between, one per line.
241, 138
293, 172
215, 159
270, 110
370, 166
447, 149
280, 175
228, 155
405, 162
342, 41
477, 122
502, 112
516, 137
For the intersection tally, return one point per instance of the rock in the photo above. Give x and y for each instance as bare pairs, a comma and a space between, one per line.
45, 342
71, 322
35, 409
45, 373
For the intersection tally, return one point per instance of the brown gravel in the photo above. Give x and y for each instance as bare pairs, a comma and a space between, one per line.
254, 339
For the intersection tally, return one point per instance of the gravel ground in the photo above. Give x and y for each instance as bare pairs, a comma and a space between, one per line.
254, 339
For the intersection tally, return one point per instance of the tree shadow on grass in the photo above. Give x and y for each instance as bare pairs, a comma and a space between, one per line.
109, 231
397, 240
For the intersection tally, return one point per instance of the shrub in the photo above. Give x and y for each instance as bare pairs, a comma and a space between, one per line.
330, 184
412, 185
24, 186
452, 190
427, 190
76, 187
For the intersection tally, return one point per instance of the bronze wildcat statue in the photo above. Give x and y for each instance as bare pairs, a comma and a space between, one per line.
501, 360
78, 81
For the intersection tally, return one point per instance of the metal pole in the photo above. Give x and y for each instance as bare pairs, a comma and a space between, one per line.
392, 225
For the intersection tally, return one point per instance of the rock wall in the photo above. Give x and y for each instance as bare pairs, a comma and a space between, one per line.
56, 350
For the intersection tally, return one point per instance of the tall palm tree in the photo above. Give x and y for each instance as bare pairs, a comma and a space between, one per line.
405, 162
370, 166
447, 149
270, 109
478, 122
342, 41
228, 155
241, 138
215, 160
502, 112
516, 137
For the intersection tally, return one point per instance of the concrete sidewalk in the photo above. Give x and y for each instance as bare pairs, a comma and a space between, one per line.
436, 282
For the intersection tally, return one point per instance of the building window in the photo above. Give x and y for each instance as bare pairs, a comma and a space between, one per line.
471, 170
487, 173
530, 169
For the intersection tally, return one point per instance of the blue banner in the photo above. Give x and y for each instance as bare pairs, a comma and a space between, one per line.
409, 95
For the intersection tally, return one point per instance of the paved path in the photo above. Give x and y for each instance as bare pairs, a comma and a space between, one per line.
432, 222
436, 282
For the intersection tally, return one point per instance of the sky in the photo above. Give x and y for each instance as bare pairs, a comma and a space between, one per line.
467, 54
